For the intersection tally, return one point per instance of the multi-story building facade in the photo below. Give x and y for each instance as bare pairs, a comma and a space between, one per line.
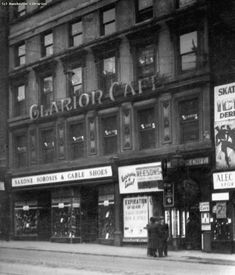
3, 119
107, 100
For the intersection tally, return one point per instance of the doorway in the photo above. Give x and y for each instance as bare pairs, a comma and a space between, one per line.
89, 214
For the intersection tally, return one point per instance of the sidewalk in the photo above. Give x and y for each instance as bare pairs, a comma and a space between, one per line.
130, 252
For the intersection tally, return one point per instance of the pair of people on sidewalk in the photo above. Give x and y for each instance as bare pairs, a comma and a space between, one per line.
157, 237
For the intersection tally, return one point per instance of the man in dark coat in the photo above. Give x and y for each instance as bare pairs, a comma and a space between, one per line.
151, 249
164, 236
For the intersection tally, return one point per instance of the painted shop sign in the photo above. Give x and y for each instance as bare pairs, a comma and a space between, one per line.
220, 196
224, 180
140, 178
95, 97
204, 206
224, 125
197, 161
75, 175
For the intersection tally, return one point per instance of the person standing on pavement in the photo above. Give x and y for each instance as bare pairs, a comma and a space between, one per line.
151, 249
165, 235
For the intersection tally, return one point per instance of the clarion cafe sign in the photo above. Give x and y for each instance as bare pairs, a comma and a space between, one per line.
90, 98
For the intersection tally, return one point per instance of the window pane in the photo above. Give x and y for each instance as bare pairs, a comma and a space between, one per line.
77, 40
48, 84
21, 148
108, 15
146, 61
188, 62
77, 76
188, 42
189, 120
146, 128
21, 93
49, 50
21, 50
143, 4
48, 146
109, 66
77, 140
185, 2
76, 28
48, 39
109, 28
110, 133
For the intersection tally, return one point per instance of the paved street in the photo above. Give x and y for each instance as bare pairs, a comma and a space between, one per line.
22, 262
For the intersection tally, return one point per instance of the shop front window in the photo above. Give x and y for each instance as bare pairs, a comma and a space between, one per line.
146, 128
106, 217
189, 120
77, 140
110, 135
222, 221
66, 218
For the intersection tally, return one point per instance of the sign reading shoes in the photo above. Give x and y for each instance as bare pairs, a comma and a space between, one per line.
140, 178
75, 175
224, 180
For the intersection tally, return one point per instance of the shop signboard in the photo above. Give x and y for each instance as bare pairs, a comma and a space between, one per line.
220, 196
204, 206
140, 178
67, 176
136, 216
224, 125
224, 180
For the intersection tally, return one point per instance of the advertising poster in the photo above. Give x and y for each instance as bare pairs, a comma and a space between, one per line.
224, 126
137, 211
221, 210
140, 178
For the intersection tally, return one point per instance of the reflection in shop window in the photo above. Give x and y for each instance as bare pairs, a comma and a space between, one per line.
110, 135
146, 128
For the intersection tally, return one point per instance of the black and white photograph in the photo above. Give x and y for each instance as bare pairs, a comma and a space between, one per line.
117, 137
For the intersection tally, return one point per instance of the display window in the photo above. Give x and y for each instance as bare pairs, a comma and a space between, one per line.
106, 217
26, 218
222, 221
66, 218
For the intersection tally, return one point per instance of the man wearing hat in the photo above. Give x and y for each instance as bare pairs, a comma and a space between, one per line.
164, 236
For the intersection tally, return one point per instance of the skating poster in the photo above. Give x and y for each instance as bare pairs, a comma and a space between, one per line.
224, 125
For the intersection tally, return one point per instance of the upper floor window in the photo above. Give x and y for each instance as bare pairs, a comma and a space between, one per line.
144, 10
184, 3
76, 81
20, 142
47, 44
48, 145
108, 21
145, 61
21, 8
188, 51
107, 73
109, 134
189, 120
20, 54
77, 140
20, 105
46, 91
76, 34
146, 128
